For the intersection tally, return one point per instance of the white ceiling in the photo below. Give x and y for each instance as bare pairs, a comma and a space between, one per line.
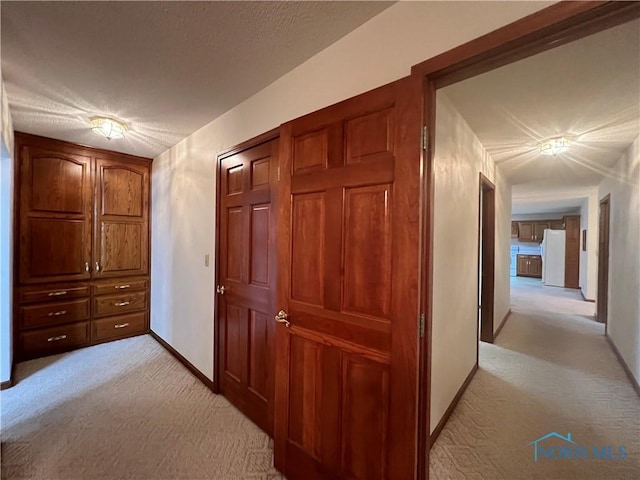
588, 90
166, 68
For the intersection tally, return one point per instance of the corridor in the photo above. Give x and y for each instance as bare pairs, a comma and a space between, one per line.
550, 370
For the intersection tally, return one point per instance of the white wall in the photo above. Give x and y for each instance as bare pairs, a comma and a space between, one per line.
459, 157
183, 190
589, 259
623, 184
6, 219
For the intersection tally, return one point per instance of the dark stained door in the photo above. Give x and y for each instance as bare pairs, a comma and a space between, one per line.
55, 205
572, 252
122, 212
346, 367
487, 247
246, 281
603, 261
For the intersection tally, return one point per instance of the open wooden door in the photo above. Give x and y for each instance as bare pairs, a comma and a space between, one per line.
602, 305
347, 345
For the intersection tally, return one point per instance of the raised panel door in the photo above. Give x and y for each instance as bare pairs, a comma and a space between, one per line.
347, 365
539, 228
535, 266
525, 231
121, 238
55, 215
247, 272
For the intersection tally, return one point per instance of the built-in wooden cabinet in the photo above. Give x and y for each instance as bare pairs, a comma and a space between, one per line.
529, 266
556, 224
525, 231
82, 256
533, 231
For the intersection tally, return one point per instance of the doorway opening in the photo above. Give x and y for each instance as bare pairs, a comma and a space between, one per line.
602, 304
486, 258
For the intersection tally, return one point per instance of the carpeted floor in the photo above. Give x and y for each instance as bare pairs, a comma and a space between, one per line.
551, 370
128, 410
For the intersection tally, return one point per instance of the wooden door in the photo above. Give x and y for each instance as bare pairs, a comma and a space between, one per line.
247, 281
539, 228
121, 239
572, 252
525, 231
522, 267
556, 225
535, 266
55, 215
603, 261
346, 367
487, 249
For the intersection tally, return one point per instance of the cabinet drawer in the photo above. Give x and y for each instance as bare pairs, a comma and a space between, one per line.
120, 326
49, 314
48, 293
50, 340
120, 286
117, 304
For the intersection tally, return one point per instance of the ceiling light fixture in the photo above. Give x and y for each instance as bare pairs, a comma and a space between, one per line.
108, 127
554, 146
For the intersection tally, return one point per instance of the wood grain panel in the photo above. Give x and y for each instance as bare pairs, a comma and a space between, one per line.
369, 135
305, 395
57, 313
53, 291
307, 248
235, 239
234, 180
125, 285
365, 416
258, 354
259, 255
260, 172
44, 341
367, 236
120, 326
310, 152
122, 192
56, 247
235, 361
57, 184
118, 304
122, 246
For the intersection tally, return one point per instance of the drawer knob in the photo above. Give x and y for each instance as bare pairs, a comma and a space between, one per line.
121, 304
56, 339
55, 314
55, 294
123, 286
121, 325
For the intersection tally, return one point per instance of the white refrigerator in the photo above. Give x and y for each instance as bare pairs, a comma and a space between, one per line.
552, 251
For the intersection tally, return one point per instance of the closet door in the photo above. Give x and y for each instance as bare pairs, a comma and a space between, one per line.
55, 215
121, 239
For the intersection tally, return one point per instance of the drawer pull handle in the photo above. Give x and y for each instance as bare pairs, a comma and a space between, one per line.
55, 294
56, 339
121, 304
121, 325
123, 286
55, 314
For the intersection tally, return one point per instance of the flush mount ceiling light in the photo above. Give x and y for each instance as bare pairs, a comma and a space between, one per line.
108, 127
554, 146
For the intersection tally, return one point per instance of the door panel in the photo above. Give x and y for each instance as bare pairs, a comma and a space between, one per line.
122, 212
247, 272
55, 204
346, 379
602, 304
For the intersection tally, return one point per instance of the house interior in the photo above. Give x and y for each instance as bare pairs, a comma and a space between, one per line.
319, 240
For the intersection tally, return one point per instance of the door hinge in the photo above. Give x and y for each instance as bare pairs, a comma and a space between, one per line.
425, 138
421, 325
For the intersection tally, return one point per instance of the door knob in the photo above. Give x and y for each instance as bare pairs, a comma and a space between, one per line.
220, 289
282, 317
86, 266
97, 267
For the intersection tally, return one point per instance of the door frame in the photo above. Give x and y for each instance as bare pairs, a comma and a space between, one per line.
486, 257
603, 261
241, 147
548, 28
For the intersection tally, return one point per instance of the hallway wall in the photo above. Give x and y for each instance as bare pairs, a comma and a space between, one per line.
623, 184
459, 157
184, 180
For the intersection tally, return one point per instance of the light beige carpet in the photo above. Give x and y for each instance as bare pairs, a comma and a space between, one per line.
551, 369
124, 410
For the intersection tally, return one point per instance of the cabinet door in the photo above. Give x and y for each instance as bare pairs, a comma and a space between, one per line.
556, 225
535, 266
55, 216
538, 230
523, 265
514, 229
525, 231
121, 239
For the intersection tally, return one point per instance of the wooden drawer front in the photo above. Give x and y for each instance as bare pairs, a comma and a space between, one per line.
48, 293
116, 304
49, 314
49, 340
120, 326
120, 286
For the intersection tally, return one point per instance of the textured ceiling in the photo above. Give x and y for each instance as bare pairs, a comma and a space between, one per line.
166, 68
588, 90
